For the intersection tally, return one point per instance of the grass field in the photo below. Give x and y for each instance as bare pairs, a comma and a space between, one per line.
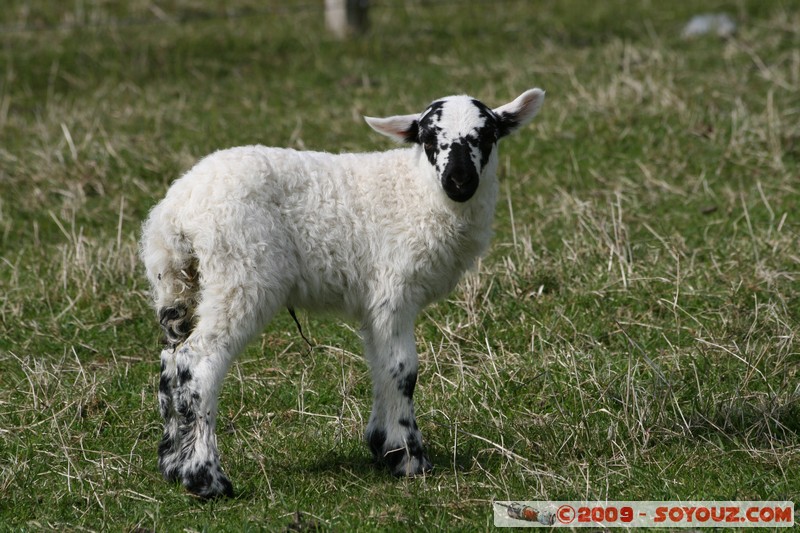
631, 335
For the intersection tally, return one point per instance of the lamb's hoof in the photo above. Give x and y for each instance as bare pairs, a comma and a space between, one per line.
207, 482
406, 459
411, 466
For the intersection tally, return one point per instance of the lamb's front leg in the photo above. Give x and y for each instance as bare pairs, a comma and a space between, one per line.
392, 432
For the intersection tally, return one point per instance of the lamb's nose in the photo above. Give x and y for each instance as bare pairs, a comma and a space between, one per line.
459, 169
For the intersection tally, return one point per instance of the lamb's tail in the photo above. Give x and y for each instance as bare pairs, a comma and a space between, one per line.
171, 268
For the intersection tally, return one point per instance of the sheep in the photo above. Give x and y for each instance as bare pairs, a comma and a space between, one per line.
375, 237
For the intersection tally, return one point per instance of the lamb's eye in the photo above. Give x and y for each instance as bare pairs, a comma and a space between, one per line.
428, 147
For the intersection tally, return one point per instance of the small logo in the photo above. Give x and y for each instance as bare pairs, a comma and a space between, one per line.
518, 511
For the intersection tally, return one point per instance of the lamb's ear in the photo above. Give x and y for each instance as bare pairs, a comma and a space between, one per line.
403, 128
516, 114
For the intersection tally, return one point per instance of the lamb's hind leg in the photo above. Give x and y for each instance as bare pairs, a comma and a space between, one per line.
199, 375
177, 324
169, 447
392, 432
227, 319
187, 398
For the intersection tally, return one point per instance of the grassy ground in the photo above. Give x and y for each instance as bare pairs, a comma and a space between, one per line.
632, 334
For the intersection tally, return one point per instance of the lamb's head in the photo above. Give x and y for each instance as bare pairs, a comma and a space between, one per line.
459, 135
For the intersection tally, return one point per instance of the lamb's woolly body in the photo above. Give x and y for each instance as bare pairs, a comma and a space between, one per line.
252, 230
352, 232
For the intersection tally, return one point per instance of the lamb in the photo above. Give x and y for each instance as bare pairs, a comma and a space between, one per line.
375, 237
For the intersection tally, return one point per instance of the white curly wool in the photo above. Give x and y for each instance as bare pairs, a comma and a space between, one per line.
250, 231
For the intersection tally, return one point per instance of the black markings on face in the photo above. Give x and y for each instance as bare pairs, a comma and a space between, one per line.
428, 130
413, 133
487, 135
507, 122
458, 152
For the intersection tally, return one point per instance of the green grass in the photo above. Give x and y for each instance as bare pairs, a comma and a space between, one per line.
631, 335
